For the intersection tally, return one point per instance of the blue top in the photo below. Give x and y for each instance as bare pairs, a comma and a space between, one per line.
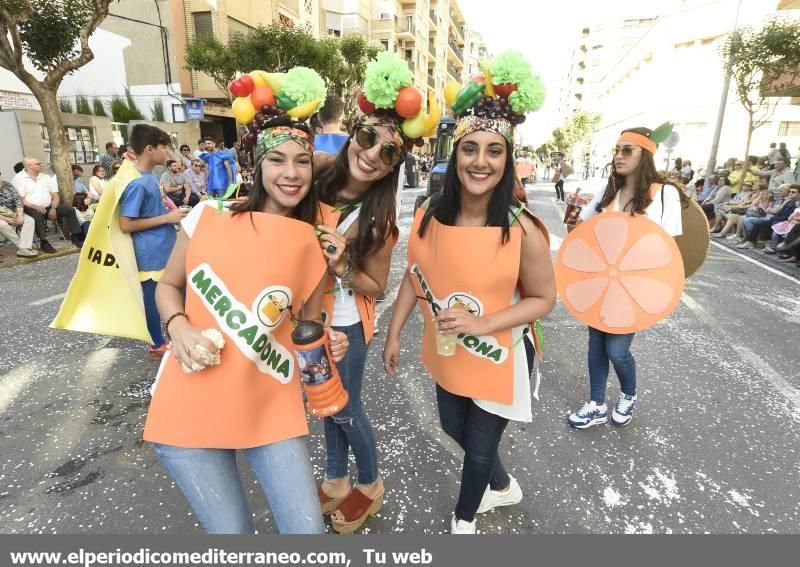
142, 199
329, 143
217, 176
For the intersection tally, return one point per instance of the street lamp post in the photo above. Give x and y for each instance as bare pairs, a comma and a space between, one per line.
712, 158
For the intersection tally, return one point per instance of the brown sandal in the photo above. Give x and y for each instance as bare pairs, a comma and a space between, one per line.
356, 508
326, 503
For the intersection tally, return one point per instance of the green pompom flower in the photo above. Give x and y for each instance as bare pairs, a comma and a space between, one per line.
510, 67
528, 97
303, 85
386, 75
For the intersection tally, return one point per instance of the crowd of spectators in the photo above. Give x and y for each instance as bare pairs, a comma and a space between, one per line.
754, 205
31, 199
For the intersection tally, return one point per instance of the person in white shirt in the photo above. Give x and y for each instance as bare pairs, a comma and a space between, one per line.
628, 190
97, 182
41, 201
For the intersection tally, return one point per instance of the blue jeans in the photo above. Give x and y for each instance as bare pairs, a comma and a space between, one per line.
478, 433
350, 428
209, 479
616, 348
215, 193
151, 312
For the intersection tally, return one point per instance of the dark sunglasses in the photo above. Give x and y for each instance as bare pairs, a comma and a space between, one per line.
368, 137
626, 151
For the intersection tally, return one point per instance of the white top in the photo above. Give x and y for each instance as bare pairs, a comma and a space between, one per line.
94, 181
345, 309
520, 407
669, 218
35, 191
189, 222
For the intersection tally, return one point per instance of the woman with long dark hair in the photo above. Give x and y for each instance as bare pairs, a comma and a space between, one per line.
243, 275
478, 340
357, 235
635, 187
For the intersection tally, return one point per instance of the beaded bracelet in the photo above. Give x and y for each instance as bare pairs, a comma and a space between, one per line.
171, 317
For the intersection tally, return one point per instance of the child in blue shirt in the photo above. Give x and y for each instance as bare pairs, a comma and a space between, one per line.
220, 169
144, 214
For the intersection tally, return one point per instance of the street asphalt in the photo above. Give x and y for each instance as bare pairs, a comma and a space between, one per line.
713, 447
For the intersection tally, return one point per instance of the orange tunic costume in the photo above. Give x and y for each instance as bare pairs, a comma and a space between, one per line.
243, 284
470, 268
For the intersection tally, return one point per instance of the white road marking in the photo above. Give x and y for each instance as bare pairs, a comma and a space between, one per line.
760, 365
50, 299
757, 263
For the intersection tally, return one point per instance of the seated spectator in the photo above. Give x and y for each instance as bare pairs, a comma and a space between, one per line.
175, 186
77, 172
728, 214
197, 180
759, 227
688, 187
18, 167
97, 182
709, 185
779, 176
82, 203
738, 176
41, 201
186, 156
719, 196
781, 229
789, 249
13, 217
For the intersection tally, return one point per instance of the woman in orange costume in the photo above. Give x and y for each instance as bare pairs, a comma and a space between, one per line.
358, 213
474, 223
242, 272
634, 186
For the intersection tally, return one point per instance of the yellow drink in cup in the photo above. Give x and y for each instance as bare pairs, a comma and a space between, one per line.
445, 344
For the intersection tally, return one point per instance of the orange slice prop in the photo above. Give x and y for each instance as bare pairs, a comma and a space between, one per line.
619, 273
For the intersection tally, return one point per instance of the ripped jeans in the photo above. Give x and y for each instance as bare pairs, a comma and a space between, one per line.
350, 428
209, 479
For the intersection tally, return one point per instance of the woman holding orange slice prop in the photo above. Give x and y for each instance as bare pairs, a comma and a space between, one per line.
479, 267
621, 271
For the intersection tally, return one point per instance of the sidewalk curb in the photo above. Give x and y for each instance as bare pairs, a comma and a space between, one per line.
17, 261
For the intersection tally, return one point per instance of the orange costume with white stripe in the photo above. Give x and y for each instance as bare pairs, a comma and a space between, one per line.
243, 284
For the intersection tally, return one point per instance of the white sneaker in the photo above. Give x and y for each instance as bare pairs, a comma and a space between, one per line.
747, 245
461, 527
27, 253
732, 237
590, 414
496, 498
622, 414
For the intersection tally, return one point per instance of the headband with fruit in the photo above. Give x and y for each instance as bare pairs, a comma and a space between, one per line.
275, 105
497, 100
648, 142
389, 99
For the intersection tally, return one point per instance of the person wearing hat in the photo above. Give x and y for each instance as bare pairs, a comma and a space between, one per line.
483, 381
209, 404
635, 187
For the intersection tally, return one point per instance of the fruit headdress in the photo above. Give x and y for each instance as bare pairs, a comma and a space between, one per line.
388, 98
497, 100
275, 107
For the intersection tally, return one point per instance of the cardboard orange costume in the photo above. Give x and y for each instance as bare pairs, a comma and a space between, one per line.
447, 269
245, 289
620, 273
329, 216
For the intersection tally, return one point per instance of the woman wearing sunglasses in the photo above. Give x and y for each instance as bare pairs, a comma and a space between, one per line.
357, 235
634, 186
483, 378
206, 403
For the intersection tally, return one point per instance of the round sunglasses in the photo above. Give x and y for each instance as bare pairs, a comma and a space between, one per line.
368, 137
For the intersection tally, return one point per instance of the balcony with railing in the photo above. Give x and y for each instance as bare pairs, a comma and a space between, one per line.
406, 30
454, 73
431, 82
411, 64
432, 48
456, 52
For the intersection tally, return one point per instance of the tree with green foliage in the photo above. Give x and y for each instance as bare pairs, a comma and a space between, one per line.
82, 105
763, 64
98, 108
54, 36
341, 62
157, 110
577, 129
